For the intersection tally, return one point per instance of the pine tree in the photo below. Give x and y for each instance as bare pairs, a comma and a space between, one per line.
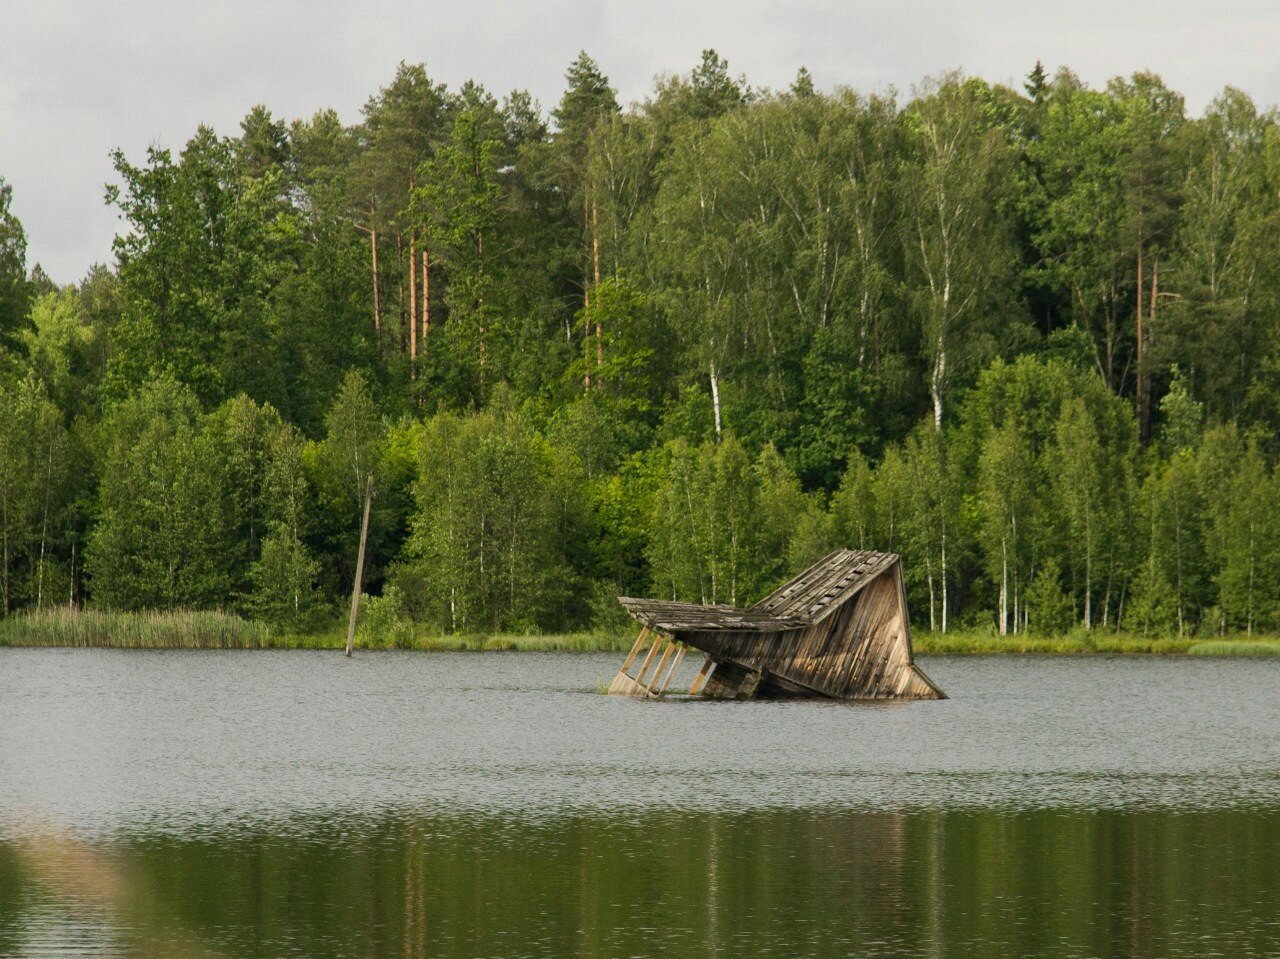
1037, 83
13, 266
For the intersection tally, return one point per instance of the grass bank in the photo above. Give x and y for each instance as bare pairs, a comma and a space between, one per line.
1236, 647
601, 642
1082, 642
191, 629
177, 629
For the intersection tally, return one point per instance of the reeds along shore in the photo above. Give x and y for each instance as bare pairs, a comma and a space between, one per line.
212, 629
1090, 642
171, 629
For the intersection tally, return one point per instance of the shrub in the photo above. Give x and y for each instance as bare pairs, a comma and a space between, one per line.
383, 622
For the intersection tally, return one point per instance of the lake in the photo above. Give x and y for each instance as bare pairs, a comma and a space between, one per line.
294, 803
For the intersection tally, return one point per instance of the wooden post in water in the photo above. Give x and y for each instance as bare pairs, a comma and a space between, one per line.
359, 583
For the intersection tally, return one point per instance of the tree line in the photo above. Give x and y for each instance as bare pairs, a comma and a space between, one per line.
1029, 338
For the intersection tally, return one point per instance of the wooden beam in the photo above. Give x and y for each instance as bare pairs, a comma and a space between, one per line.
666, 681
644, 667
666, 653
700, 680
623, 684
635, 650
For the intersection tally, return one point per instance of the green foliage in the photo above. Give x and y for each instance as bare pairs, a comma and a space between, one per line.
1010, 511
59, 345
836, 407
284, 581
1050, 610
682, 348
351, 451
960, 251
189, 503
494, 519
626, 372
854, 510
588, 101
1183, 416
723, 529
13, 264
1078, 467
156, 543
703, 522
36, 487
1244, 539
1153, 608
383, 622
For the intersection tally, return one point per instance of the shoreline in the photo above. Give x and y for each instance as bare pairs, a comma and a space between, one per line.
211, 629
15, 634
1096, 643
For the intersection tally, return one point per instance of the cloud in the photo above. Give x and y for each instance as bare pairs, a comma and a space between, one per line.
79, 79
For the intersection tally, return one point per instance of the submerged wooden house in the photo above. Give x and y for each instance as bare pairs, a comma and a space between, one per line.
838, 630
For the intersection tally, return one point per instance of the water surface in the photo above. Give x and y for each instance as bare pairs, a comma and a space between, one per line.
299, 804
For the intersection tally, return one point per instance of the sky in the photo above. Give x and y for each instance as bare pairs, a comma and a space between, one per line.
79, 78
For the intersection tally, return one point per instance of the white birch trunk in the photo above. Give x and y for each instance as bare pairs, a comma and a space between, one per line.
715, 397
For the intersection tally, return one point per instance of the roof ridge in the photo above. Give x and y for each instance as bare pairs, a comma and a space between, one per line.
814, 593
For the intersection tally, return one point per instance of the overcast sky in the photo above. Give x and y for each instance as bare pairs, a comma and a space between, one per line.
80, 77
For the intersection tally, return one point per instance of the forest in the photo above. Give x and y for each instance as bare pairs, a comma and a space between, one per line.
1028, 338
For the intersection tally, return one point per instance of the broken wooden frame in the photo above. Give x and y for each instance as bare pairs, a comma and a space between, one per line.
663, 657
838, 630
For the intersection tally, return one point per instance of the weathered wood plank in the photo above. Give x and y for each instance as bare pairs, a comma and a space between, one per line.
839, 629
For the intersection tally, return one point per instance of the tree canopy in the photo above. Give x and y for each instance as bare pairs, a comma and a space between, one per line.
1029, 338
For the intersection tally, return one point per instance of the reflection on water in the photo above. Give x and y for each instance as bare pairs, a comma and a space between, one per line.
673, 883
262, 805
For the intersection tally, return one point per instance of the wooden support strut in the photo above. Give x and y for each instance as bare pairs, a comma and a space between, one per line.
635, 650
667, 650
701, 679
644, 667
675, 662
663, 656
623, 684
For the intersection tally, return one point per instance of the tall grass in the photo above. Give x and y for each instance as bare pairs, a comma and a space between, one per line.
195, 629
1236, 647
601, 642
1077, 642
1085, 642
175, 629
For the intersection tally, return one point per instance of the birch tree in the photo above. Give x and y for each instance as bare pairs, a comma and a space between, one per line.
1007, 480
1077, 471
955, 231
35, 475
